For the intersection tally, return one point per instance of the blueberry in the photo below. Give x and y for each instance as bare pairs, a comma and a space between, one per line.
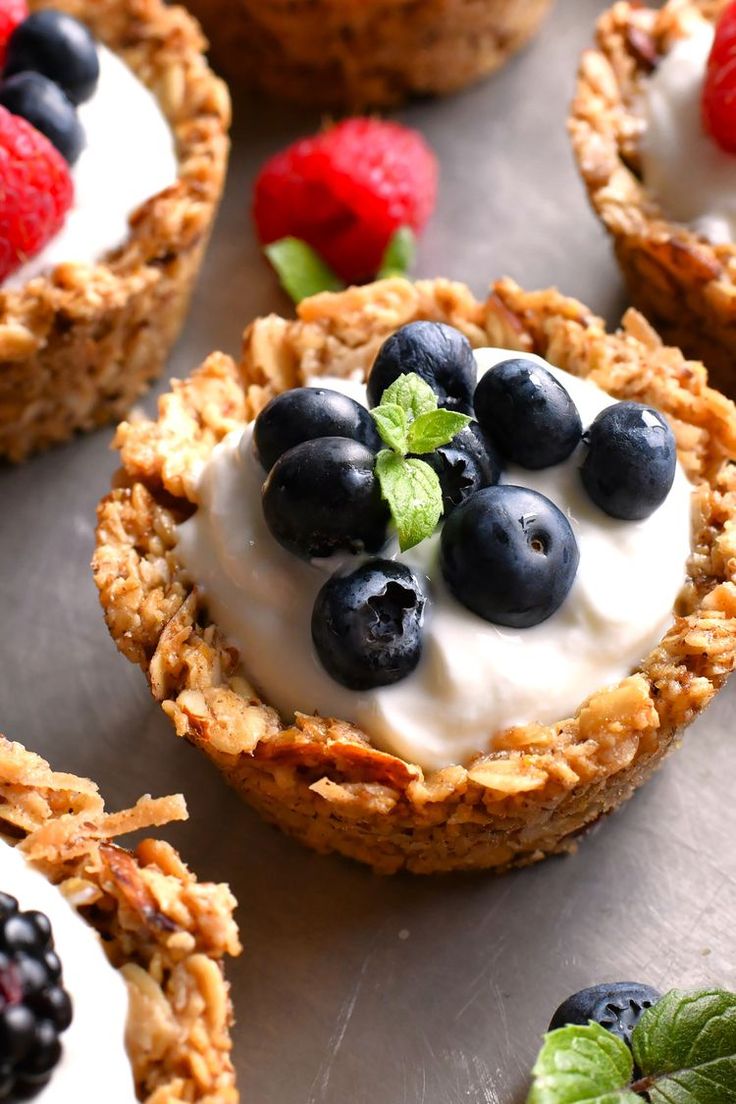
322, 497
509, 555
618, 1007
440, 354
45, 106
58, 46
366, 626
305, 414
527, 413
630, 462
465, 465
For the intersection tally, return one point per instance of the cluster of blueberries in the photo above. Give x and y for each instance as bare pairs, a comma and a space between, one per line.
51, 67
507, 553
34, 1006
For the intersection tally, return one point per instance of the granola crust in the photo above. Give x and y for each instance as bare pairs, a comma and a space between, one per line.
354, 54
77, 347
163, 930
685, 285
319, 778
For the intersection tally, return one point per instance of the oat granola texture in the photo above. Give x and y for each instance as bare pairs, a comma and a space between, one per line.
79, 346
359, 54
319, 778
163, 930
685, 285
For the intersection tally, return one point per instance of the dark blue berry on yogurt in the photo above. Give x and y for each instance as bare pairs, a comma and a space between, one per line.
509, 555
438, 353
323, 497
617, 1006
58, 46
528, 414
630, 462
306, 413
43, 104
367, 625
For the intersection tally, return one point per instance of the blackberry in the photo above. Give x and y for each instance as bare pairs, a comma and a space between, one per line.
34, 1006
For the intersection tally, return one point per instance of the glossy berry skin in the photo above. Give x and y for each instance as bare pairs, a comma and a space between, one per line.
527, 413
322, 497
718, 104
440, 354
630, 462
43, 104
346, 191
12, 12
467, 464
509, 555
58, 46
306, 413
34, 1007
618, 1007
366, 626
36, 195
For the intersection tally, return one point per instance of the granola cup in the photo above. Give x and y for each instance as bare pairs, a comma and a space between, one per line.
685, 285
163, 930
320, 778
78, 346
364, 53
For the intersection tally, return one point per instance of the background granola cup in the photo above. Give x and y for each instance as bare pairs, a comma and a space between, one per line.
320, 779
163, 930
356, 54
79, 346
685, 285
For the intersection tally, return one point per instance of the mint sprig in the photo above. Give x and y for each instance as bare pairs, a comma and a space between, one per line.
409, 421
684, 1048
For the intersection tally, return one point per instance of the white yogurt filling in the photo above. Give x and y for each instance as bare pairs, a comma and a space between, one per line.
475, 679
129, 157
692, 179
94, 1064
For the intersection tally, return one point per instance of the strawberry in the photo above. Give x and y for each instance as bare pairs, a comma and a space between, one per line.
719, 87
12, 13
346, 191
36, 191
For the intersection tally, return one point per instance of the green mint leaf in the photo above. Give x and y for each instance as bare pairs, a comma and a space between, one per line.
412, 393
583, 1065
685, 1046
399, 255
301, 270
412, 491
435, 428
393, 426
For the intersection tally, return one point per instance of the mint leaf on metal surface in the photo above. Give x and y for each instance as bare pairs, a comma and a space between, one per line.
583, 1065
300, 269
412, 393
435, 428
399, 254
412, 491
685, 1047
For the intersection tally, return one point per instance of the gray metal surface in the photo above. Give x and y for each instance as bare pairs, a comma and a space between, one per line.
355, 987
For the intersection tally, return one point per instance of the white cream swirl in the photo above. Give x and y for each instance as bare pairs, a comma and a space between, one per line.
94, 1064
474, 679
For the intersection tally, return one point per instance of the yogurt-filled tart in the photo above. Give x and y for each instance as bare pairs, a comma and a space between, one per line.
111, 978
651, 127
90, 310
477, 699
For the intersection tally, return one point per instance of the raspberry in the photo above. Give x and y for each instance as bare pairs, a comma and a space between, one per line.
346, 191
719, 87
36, 191
12, 13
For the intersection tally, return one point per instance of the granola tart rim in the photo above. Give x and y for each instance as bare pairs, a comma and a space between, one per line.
359, 54
78, 345
165, 932
320, 779
684, 284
